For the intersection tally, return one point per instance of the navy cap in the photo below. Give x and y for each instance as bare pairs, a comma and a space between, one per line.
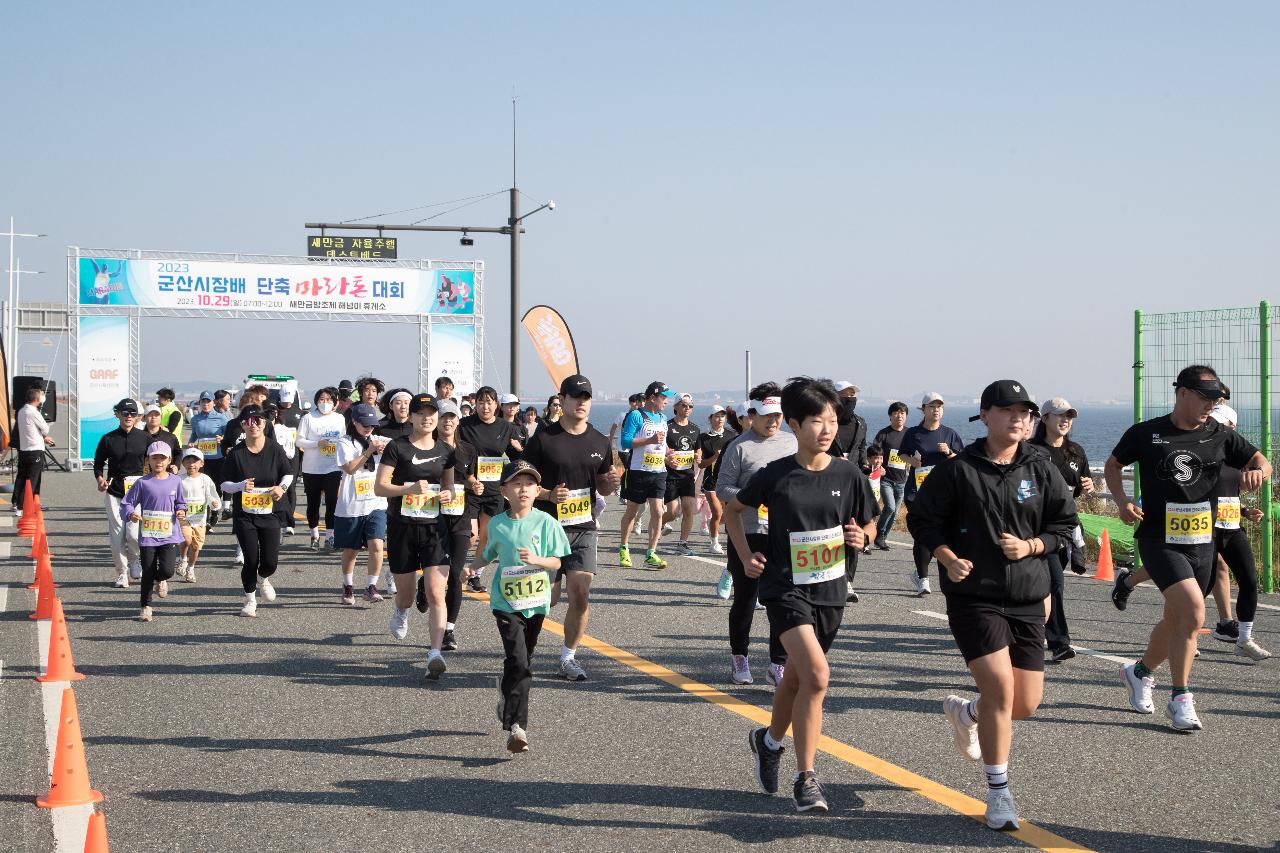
365, 415
658, 389
206, 395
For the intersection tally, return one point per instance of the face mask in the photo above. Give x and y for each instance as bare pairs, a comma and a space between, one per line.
847, 407
325, 408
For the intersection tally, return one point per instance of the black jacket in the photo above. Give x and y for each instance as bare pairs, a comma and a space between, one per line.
120, 453
851, 441
967, 502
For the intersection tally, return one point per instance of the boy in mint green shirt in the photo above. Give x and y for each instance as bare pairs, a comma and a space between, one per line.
528, 544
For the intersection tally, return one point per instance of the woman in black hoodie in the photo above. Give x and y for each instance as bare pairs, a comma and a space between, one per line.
990, 516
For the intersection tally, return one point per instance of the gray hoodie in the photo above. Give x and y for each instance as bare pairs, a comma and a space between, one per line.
746, 455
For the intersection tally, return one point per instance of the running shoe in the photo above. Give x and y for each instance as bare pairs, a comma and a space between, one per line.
162, 589
190, 576
288, 531
145, 615
449, 643
741, 671
624, 557
399, 623
348, 594
682, 549
135, 572
475, 584
866, 549
420, 600
391, 584
924, 588
882, 545
1251, 650
766, 760
181, 569
653, 561
808, 793
852, 597
638, 529
571, 670
435, 665
724, 586
371, 594
1181, 712
315, 541
268, 591
716, 547
1227, 630
330, 542
916, 580
966, 732
1139, 689
122, 580
774, 673
1120, 590
239, 560
517, 740
1002, 812
250, 605
1064, 653
667, 529
760, 606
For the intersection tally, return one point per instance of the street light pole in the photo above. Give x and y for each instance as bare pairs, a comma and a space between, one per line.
10, 327
16, 272
513, 221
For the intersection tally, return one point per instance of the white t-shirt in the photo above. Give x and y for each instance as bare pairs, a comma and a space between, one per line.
287, 438
317, 436
351, 505
199, 491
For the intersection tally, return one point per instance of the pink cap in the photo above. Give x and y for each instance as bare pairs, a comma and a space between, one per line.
159, 448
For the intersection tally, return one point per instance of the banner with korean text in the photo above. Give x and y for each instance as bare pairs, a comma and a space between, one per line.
102, 370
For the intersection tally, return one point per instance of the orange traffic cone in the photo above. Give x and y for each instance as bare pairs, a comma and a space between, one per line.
27, 524
45, 598
61, 666
1106, 568
44, 566
95, 840
70, 783
40, 544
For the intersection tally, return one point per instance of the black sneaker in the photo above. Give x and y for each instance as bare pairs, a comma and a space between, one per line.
421, 600
475, 584
1120, 592
808, 793
882, 545
866, 549
1228, 631
766, 761
448, 644
852, 597
1064, 653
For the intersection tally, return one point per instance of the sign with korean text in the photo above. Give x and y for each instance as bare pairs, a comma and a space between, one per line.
342, 246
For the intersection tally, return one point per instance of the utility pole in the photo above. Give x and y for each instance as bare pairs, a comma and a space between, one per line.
11, 316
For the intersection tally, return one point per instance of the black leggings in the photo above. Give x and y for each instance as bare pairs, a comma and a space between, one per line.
459, 542
1233, 547
743, 609
157, 565
922, 557
1056, 631
261, 547
316, 484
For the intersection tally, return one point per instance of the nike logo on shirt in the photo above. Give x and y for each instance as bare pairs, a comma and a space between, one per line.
416, 461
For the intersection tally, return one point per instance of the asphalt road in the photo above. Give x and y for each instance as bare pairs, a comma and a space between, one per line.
310, 728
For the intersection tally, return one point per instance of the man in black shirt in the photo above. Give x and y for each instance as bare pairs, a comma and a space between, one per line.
851, 432
893, 483
682, 463
576, 465
492, 437
1180, 458
118, 462
156, 432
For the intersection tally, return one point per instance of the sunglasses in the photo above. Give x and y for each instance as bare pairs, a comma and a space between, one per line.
253, 421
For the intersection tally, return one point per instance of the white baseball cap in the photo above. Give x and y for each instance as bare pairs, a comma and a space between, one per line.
508, 398
154, 408
1059, 406
931, 397
844, 385
769, 406
288, 394
716, 409
742, 408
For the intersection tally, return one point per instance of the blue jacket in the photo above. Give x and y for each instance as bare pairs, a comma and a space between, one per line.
208, 425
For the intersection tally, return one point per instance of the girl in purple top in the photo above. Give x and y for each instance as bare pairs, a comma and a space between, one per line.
157, 503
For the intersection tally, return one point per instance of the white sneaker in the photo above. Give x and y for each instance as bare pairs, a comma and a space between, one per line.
741, 672
288, 531
239, 560
724, 587
250, 605
517, 739
267, 590
162, 589
181, 570
966, 732
760, 606
1139, 689
190, 576
571, 670
328, 542
666, 529
435, 665
122, 580
145, 615
774, 673
716, 547
1002, 812
391, 584
399, 622
1181, 712
1251, 650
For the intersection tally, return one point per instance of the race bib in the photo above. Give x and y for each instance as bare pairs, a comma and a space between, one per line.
328, 448
575, 510
922, 474
817, 556
654, 459
364, 485
129, 481
422, 506
489, 469
457, 505
525, 587
1188, 524
257, 501
195, 514
895, 461
684, 460
207, 446
156, 524
1229, 513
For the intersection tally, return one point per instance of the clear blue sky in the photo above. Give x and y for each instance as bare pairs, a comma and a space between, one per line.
910, 196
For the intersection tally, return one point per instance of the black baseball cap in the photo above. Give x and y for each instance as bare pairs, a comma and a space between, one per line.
422, 401
519, 466
576, 385
251, 411
1006, 392
1210, 388
344, 385
658, 389
126, 407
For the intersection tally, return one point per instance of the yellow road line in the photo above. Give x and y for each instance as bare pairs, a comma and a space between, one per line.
963, 804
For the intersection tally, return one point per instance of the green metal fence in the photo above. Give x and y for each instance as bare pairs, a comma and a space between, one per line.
1236, 342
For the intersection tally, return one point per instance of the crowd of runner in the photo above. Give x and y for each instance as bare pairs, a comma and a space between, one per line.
442, 491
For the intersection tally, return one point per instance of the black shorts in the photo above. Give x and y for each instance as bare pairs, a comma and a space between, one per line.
679, 486
795, 609
490, 505
982, 627
641, 486
582, 551
412, 546
1168, 564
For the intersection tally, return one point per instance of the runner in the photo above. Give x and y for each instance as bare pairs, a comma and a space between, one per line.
33, 438
457, 521
682, 463
510, 407
154, 432
360, 518
530, 421
747, 455
290, 416
257, 475
894, 482
1181, 455
851, 438
710, 445
157, 505
344, 401
170, 415
822, 509
222, 402
991, 516
287, 438
574, 465
527, 543
444, 388
492, 437
924, 446
551, 414
208, 426
1057, 416
644, 435
416, 473
201, 495
318, 434
395, 408
623, 457
118, 463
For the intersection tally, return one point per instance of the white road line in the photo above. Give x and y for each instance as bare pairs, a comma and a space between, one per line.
1079, 649
6, 550
1269, 606
6, 521
932, 614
